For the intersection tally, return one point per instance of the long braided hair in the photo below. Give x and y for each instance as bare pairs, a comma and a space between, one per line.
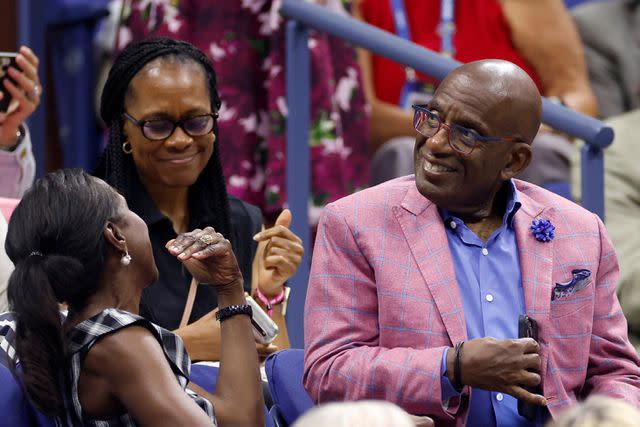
209, 193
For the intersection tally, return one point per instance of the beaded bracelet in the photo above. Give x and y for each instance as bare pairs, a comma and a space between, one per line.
269, 303
232, 310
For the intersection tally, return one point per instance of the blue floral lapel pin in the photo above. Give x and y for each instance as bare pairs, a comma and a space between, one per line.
543, 230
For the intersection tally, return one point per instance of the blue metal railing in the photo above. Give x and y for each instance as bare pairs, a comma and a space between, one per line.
304, 15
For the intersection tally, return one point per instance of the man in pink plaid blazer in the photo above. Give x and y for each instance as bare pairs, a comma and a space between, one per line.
417, 285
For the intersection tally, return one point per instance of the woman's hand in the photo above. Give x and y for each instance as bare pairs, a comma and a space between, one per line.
281, 253
25, 96
208, 257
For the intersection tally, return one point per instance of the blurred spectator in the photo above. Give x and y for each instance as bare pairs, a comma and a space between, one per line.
17, 164
610, 32
370, 413
472, 30
245, 40
599, 411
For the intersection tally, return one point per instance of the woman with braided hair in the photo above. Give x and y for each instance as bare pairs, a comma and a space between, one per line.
73, 239
160, 102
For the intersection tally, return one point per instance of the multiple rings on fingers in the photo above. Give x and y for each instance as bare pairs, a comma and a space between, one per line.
207, 239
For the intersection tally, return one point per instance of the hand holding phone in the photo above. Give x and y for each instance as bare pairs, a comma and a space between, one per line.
21, 92
528, 328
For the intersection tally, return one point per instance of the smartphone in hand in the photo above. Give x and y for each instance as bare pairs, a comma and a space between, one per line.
265, 330
7, 59
528, 328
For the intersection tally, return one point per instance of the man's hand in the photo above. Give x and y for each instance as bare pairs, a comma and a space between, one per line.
25, 96
281, 255
500, 365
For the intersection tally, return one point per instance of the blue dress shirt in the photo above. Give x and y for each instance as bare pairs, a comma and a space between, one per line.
490, 284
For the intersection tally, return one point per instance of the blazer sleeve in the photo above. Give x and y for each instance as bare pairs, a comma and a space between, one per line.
17, 168
614, 367
343, 357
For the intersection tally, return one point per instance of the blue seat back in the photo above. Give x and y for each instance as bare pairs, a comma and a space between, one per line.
206, 376
284, 371
15, 409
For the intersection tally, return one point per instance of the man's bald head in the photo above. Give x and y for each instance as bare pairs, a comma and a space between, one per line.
514, 97
491, 107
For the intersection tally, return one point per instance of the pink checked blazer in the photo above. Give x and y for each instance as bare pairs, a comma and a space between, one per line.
383, 303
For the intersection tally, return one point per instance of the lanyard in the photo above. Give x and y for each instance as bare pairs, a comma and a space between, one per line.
446, 28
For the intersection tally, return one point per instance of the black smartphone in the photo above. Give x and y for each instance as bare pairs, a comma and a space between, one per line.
7, 59
528, 328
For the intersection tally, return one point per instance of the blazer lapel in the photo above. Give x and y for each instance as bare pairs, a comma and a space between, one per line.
536, 258
536, 268
425, 235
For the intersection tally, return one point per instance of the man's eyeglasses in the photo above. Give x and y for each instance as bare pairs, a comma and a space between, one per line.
160, 129
461, 139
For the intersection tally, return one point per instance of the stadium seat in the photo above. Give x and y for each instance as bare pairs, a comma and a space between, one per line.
284, 371
15, 409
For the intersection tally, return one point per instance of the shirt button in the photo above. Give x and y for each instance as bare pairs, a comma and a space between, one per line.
489, 297
485, 251
499, 397
453, 225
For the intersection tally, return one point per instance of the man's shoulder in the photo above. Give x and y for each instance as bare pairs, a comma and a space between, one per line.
571, 211
377, 198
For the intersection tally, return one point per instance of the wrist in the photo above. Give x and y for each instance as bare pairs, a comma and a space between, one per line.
13, 142
230, 294
269, 302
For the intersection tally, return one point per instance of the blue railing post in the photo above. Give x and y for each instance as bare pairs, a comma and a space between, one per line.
298, 166
31, 32
592, 179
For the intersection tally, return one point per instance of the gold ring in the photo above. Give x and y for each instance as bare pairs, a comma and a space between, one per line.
207, 239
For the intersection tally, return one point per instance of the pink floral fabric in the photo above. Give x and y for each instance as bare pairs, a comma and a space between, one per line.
245, 40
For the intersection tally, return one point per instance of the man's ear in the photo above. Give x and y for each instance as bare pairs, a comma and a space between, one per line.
114, 236
519, 159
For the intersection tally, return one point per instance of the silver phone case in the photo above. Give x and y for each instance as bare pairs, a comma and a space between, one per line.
265, 330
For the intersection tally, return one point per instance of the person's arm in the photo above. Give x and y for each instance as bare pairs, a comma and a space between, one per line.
614, 366
17, 164
343, 356
202, 338
238, 398
546, 36
387, 120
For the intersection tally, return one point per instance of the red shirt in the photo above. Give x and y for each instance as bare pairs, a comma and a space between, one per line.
482, 32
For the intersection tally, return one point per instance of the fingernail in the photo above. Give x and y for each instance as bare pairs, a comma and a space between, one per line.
173, 248
256, 236
182, 255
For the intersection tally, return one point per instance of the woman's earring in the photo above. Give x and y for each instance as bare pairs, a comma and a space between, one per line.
126, 259
126, 147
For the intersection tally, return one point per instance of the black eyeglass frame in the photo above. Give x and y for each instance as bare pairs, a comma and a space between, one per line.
176, 123
477, 137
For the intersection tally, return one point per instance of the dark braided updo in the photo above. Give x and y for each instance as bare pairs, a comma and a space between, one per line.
209, 193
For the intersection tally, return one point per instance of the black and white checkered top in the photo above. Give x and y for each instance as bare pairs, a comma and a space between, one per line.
84, 336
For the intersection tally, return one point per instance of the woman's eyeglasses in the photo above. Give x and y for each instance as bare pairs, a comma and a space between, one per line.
461, 139
160, 129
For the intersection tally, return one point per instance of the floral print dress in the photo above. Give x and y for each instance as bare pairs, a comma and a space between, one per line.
245, 40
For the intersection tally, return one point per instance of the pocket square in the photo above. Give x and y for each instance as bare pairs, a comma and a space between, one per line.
579, 280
